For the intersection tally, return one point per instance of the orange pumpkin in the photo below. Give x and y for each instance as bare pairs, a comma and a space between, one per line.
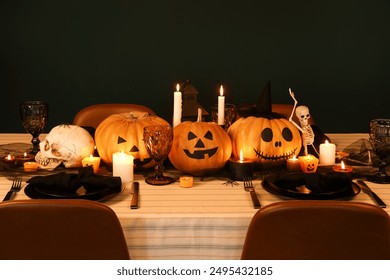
199, 148
124, 132
267, 141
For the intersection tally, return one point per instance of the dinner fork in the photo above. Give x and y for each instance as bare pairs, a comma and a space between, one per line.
248, 186
15, 187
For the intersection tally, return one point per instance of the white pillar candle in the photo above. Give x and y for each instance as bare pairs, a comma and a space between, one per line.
177, 103
221, 107
327, 153
123, 166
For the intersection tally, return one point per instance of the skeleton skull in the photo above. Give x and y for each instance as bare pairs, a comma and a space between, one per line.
303, 115
67, 144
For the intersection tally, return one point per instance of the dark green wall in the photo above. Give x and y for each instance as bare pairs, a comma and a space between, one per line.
334, 54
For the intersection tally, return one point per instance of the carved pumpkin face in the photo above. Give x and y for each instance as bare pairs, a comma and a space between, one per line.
308, 163
124, 132
199, 148
266, 141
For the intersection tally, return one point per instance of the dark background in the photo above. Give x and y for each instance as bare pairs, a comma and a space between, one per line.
333, 54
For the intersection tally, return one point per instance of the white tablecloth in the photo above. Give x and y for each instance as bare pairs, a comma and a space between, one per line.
208, 221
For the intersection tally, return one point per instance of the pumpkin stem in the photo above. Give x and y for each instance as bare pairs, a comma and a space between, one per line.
199, 115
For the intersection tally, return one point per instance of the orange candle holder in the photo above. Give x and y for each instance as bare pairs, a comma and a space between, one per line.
30, 166
308, 163
342, 168
91, 161
186, 181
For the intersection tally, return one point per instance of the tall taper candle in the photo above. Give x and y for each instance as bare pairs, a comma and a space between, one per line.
221, 107
177, 106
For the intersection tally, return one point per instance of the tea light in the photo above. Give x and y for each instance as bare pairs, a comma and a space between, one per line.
9, 161
186, 181
240, 167
30, 166
308, 163
293, 165
91, 161
342, 168
327, 153
123, 166
21, 159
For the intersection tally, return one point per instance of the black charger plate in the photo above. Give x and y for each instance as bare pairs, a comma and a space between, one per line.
270, 184
37, 191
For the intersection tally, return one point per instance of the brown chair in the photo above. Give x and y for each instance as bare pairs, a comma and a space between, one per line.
93, 115
63, 229
319, 230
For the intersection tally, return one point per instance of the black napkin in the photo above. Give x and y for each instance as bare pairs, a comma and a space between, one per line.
70, 183
315, 182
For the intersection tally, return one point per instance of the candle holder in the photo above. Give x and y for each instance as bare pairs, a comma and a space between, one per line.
21, 159
293, 164
30, 166
231, 115
91, 161
9, 162
342, 168
308, 163
240, 168
186, 181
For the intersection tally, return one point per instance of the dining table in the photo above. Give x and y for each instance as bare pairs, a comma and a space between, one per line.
207, 221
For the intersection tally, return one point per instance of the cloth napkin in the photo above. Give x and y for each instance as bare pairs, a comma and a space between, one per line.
315, 182
70, 183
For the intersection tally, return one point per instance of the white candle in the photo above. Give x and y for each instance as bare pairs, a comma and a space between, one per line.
221, 107
327, 153
177, 106
123, 166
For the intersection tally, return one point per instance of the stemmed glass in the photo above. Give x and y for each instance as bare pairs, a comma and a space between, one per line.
380, 141
34, 118
158, 142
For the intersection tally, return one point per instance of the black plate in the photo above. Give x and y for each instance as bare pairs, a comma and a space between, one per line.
303, 193
40, 191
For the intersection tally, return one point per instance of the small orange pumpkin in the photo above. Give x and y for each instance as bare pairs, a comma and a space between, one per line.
267, 141
199, 148
124, 132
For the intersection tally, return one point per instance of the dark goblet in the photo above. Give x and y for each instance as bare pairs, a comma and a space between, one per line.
34, 118
158, 142
380, 141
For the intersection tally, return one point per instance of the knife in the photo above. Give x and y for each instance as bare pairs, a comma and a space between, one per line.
373, 195
134, 199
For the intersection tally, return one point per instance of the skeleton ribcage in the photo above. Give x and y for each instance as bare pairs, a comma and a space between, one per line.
308, 135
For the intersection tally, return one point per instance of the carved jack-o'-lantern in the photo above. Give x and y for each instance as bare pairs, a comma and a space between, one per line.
308, 163
199, 148
267, 141
124, 132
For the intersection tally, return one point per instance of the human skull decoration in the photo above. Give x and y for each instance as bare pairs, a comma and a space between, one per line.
67, 144
303, 114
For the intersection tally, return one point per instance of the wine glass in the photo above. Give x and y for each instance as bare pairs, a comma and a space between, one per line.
34, 118
158, 142
380, 141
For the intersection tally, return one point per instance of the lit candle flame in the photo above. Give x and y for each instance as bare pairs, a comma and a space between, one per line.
221, 90
25, 154
177, 87
294, 157
91, 157
326, 142
342, 165
241, 156
9, 157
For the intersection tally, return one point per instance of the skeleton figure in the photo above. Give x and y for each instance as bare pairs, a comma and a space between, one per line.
67, 144
303, 114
